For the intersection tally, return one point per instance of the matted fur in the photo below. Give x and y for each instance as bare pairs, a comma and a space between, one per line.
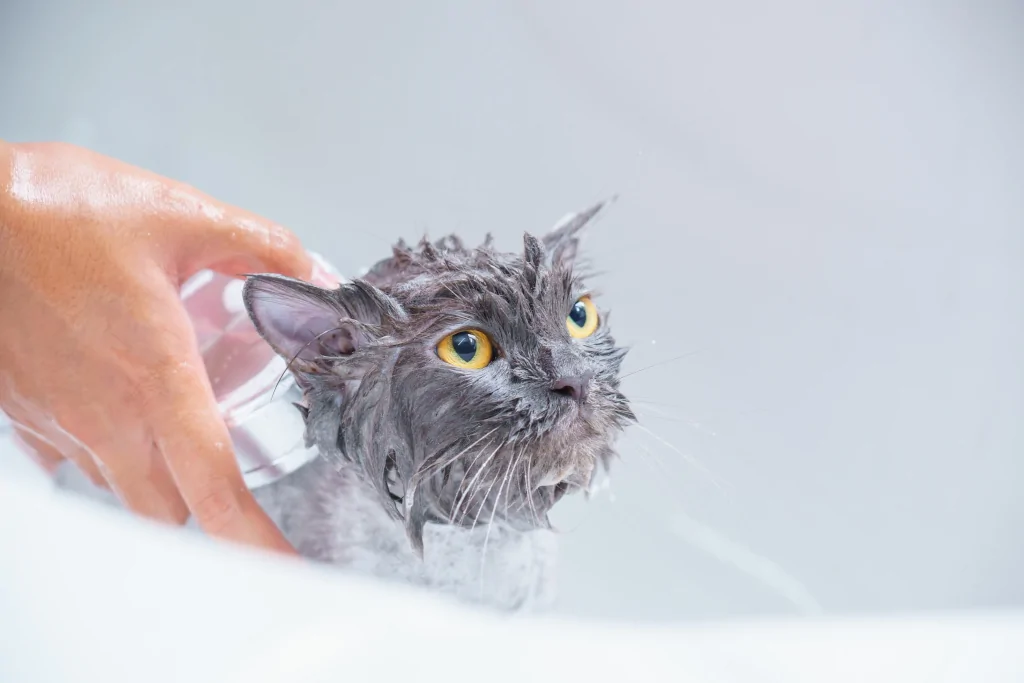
410, 441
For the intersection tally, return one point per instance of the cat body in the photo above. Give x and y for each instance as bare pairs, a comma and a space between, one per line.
455, 395
330, 514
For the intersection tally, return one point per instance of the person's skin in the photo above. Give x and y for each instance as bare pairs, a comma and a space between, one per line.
98, 360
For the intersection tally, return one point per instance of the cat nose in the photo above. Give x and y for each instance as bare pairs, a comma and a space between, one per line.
576, 387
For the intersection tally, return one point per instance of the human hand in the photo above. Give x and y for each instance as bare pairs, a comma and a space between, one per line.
98, 360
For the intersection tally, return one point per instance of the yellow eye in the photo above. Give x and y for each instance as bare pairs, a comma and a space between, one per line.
582, 319
469, 349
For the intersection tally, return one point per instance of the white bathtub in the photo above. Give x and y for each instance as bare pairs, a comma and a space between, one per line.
89, 594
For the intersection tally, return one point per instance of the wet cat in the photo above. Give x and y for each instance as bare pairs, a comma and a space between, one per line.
455, 395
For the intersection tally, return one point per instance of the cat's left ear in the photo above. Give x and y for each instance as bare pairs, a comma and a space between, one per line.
562, 243
306, 324
300, 321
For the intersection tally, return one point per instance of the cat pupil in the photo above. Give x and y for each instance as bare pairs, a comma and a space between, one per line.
578, 314
464, 344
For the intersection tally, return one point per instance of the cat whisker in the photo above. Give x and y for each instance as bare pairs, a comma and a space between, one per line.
663, 476
515, 465
657, 465
466, 493
482, 506
494, 509
634, 399
661, 415
688, 458
529, 489
658, 364
444, 462
463, 492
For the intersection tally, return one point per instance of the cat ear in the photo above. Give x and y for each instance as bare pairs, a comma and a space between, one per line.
304, 323
562, 243
300, 321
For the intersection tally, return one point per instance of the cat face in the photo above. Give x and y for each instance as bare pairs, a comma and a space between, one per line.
468, 385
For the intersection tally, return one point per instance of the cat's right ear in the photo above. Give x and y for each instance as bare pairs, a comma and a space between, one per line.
562, 243
300, 321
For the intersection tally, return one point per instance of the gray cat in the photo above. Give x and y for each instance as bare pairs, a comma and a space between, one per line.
455, 395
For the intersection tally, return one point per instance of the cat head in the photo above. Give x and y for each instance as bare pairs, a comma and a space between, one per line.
468, 385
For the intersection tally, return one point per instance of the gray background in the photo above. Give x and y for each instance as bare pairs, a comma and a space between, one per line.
821, 200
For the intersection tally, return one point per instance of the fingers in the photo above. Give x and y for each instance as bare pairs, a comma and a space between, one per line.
41, 451
234, 242
139, 477
130, 467
196, 445
50, 455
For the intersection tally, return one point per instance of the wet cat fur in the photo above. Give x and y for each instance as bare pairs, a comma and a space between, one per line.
439, 443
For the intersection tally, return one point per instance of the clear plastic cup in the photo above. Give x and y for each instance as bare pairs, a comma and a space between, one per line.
254, 391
